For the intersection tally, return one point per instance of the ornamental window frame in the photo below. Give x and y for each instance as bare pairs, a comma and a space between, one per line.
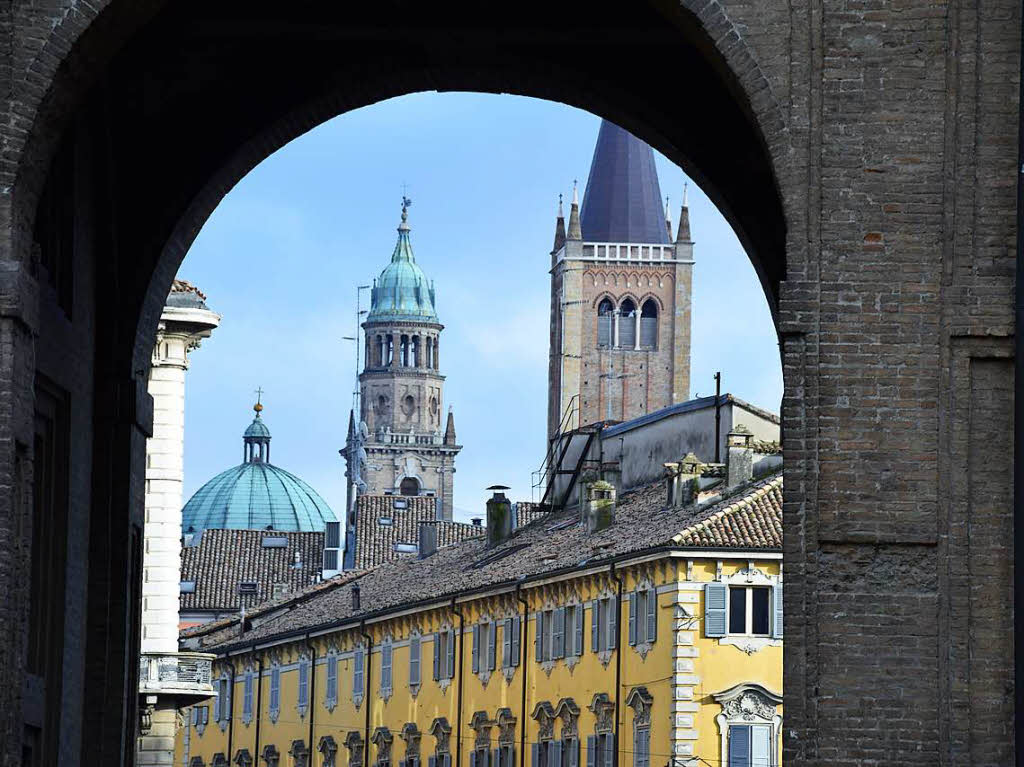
749, 704
480, 755
247, 695
604, 627
382, 739
271, 756
441, 730
243, 758
511, 644
222, 707
640, 700
331, 681
299, 753
412, 736
358, 675
750, 576
505, 753
328, 749
643, 620
355, 746
485, 648
387, 668
274, 693
302, 702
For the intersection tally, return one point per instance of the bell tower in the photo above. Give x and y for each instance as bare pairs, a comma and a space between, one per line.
403, 442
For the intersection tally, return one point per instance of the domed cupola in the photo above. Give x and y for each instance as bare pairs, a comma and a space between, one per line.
402, 291
256, 495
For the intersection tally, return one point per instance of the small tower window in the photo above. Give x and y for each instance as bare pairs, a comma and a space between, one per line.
409, 406
605, 310
627, 324
409, 486
649, 324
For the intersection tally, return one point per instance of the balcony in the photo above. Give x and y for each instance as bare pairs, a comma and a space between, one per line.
182, 674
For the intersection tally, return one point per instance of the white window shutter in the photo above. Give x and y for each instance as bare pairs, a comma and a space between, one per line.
716, 599
777, 618
652, 615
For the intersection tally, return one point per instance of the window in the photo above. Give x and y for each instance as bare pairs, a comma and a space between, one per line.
409, 485
605, 311
748, 610
542, 635
510, 634
642, 747
743, 610
200, 718
332, 682
275, 693
247, 697
357, 674
484, 646
222, 705
750, 745
444, 654
574, 631
649, 324
604, 629
506, 755
386, 657
302, 701
547, 753
480, 757
570, 750
600, 750
643, 617
627, 324
415, 658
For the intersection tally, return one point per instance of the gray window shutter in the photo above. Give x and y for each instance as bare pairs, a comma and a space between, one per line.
613, 622
472, 759
539, 639
437, 656
415, 659
516, 631
447, 760
591, 751
506, 644
496, 758
716, 598
556, 754
451, 654
357, 673
492, 645
578, 626
739, 746
595, 625
604, 330
535, 752
476, 648
652, 615
609, 751
558, 634
573, 747
777, 618
217, 701
632, 618
431, 761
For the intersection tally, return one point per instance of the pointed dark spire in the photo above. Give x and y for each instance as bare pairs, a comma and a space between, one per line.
575, 232
351, 424
684, 221
622, 202
559, 228
449, 429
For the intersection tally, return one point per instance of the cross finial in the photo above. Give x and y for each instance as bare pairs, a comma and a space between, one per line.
259, 396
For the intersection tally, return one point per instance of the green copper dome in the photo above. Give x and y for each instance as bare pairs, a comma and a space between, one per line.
402, 291
256, 495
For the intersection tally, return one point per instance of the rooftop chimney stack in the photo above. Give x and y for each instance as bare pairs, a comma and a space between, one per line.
499, 517
428, 539
355, 596
739, 457
683, 480
600, 505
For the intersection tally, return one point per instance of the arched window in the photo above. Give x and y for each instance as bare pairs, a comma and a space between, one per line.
649, 324
409, 486
627, 324
405, 351
605, 310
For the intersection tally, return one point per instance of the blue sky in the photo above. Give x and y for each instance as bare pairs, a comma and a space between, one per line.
281, 256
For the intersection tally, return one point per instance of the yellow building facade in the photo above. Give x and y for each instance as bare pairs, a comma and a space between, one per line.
654, 641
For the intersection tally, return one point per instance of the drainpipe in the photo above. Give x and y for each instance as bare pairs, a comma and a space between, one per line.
312, 693
1018, 436
367, 666
259, 703
231, 713
618, 653
522, 666
458, 705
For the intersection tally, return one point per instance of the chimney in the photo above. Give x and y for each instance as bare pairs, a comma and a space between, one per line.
739, 456
683, 480
355, 596
600, 505
428, 539
499, 516
477, 522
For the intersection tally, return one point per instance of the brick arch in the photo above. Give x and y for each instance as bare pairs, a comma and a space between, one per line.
601, 297
651, 297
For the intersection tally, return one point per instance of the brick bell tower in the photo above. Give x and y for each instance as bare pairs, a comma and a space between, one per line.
402, 444
620, 293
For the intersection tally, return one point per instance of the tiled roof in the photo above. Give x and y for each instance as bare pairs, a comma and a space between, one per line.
750, 520
381, 525
223, 558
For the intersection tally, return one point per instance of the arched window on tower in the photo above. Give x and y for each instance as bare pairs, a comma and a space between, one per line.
409, 486
405, 351
390, 341
605, 310
649, 324
416, 360
430, 352
627, 324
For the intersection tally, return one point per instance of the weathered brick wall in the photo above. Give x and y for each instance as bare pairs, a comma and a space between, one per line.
882, 227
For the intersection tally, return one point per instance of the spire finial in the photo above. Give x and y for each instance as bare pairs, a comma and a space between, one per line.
686, 189
258, 407
575, 233
560, 214
575, 194
406, 202
668, 211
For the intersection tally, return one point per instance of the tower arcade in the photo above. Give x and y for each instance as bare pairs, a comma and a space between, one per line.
620, 293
